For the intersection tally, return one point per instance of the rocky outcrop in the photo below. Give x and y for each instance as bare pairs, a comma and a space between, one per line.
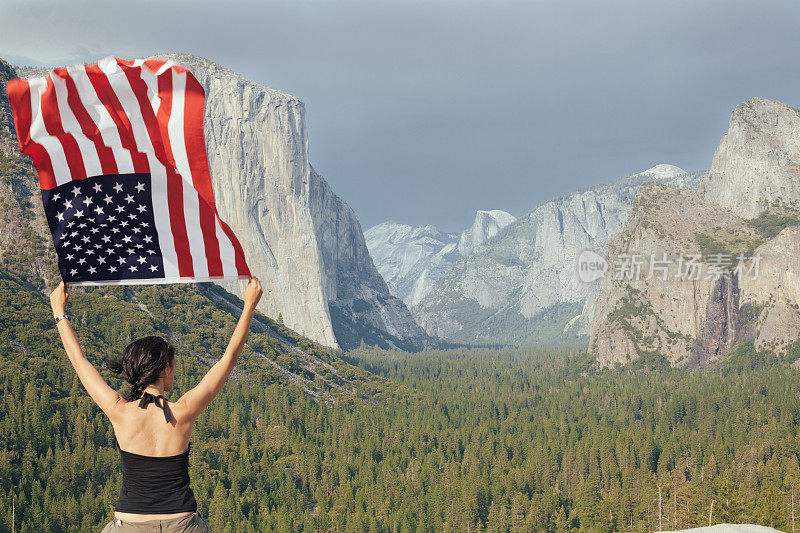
412, 258
757, 163
748, 207
300, 239
673, 304
522, 287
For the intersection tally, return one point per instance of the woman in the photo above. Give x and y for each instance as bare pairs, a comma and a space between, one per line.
153, 434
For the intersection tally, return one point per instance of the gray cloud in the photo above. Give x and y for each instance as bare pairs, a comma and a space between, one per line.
424, 112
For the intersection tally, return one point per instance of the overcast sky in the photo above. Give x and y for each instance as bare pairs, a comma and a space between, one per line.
423, 112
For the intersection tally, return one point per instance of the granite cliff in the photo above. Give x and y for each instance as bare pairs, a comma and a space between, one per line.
522, 286
412, 258
740, 232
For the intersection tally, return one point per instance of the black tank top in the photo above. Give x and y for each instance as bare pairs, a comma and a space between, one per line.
155, 485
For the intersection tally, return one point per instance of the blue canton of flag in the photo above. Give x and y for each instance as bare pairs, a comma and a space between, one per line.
103, 229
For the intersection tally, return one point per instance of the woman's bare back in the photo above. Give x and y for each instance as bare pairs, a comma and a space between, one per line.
145, 431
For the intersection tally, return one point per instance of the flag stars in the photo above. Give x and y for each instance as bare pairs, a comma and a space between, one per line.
87, 201
118, 187
141, 259
148, 238
92, 270
129, 198
68, 204
76, 191
101, 260
127, 238
112, 269
97, 187
141, 209
120, 209
79, 213
108, 199
98, 210
133, 268
153, 268
140, 187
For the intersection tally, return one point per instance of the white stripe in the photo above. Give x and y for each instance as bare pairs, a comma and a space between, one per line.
91, 161
160, 281
158, 190
226, 251
119, 83
102, 119
191, 201
39, 134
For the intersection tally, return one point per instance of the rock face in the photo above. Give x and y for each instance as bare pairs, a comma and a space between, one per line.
522, 287
757, 163
746, 207
412, 258
302, 241
691, 318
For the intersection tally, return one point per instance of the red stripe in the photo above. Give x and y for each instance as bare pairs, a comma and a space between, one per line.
109, 99
19, 97
107, 161
53, 125
194, 109
154, 64
177, 218
241, 264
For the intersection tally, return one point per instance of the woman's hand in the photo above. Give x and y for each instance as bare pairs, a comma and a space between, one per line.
252, 294
58, 299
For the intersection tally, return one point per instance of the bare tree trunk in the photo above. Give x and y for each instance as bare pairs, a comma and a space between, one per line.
710, 512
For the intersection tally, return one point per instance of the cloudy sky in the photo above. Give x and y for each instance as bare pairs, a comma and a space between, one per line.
423, 112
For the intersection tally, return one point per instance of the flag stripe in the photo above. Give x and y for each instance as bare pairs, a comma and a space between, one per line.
19, 97
198, 164
52, 123
87, 151
105, 155
53, 147
110, 100
191, 200
102, 119
174, 191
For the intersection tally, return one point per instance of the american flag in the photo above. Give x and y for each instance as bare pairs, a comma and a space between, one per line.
126, 187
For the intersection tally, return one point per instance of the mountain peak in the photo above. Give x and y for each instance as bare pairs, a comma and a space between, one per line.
663, 171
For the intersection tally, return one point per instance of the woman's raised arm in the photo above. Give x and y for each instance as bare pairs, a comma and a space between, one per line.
104, 396
199, 397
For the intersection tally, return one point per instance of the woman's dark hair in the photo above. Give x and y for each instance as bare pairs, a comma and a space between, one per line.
142, 362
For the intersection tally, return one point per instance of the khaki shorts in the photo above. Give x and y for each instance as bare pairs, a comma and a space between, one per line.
193, 523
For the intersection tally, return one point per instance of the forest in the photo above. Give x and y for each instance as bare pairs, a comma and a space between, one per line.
465, 439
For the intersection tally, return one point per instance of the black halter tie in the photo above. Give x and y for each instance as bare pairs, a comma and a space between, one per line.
148, 398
